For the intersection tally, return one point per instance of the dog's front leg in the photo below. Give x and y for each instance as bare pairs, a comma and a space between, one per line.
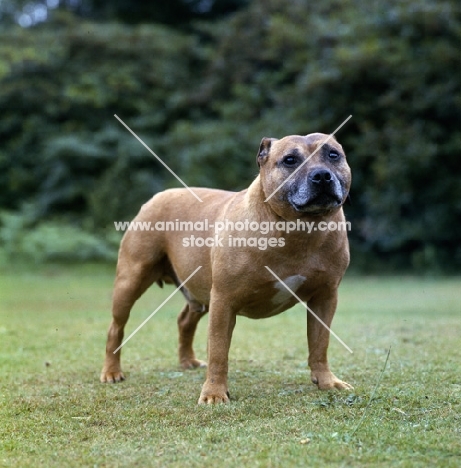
324, 307
220, 327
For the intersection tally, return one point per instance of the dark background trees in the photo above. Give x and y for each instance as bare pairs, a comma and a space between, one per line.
203, 83
178, 13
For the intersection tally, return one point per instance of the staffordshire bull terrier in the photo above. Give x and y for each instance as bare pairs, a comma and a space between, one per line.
233, 279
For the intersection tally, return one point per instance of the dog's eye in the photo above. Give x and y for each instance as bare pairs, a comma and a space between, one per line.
290, 161
333, 154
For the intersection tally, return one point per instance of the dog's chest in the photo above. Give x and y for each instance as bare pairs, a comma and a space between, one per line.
274, 297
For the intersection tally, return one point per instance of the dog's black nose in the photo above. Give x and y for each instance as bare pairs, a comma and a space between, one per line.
320, 176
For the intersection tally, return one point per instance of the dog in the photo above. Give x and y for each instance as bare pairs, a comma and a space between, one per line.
301, 178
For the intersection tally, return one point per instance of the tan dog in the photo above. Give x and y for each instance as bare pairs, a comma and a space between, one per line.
233, 280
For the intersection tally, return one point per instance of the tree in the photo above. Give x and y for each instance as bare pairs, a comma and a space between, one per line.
292, 67
203, 97
62, 148
171, 12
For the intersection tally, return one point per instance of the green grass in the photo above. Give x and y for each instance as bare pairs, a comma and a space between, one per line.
54, 412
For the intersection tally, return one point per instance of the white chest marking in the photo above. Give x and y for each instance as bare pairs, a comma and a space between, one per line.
283, 295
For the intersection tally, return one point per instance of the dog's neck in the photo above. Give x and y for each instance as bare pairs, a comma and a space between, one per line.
254, 203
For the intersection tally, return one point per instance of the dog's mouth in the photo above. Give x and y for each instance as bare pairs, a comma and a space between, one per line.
320, 194
317, 205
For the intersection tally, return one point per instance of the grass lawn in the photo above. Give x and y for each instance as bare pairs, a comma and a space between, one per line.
54, 412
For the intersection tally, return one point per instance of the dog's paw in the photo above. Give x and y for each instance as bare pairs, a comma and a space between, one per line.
328, 381
111, 377
193, 364
213, 394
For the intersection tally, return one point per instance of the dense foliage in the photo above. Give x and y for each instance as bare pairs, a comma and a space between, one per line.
177, 13
203, 97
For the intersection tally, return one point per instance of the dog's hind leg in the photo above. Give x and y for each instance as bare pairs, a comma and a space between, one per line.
187, 324
135, 273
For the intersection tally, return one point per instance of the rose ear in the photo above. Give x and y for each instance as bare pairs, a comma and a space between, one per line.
264, 149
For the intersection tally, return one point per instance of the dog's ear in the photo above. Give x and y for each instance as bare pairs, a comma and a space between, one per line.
264, 149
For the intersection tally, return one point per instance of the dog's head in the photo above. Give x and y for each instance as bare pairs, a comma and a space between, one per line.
304, 175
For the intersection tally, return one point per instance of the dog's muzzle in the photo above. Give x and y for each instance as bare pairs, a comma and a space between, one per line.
320, 193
